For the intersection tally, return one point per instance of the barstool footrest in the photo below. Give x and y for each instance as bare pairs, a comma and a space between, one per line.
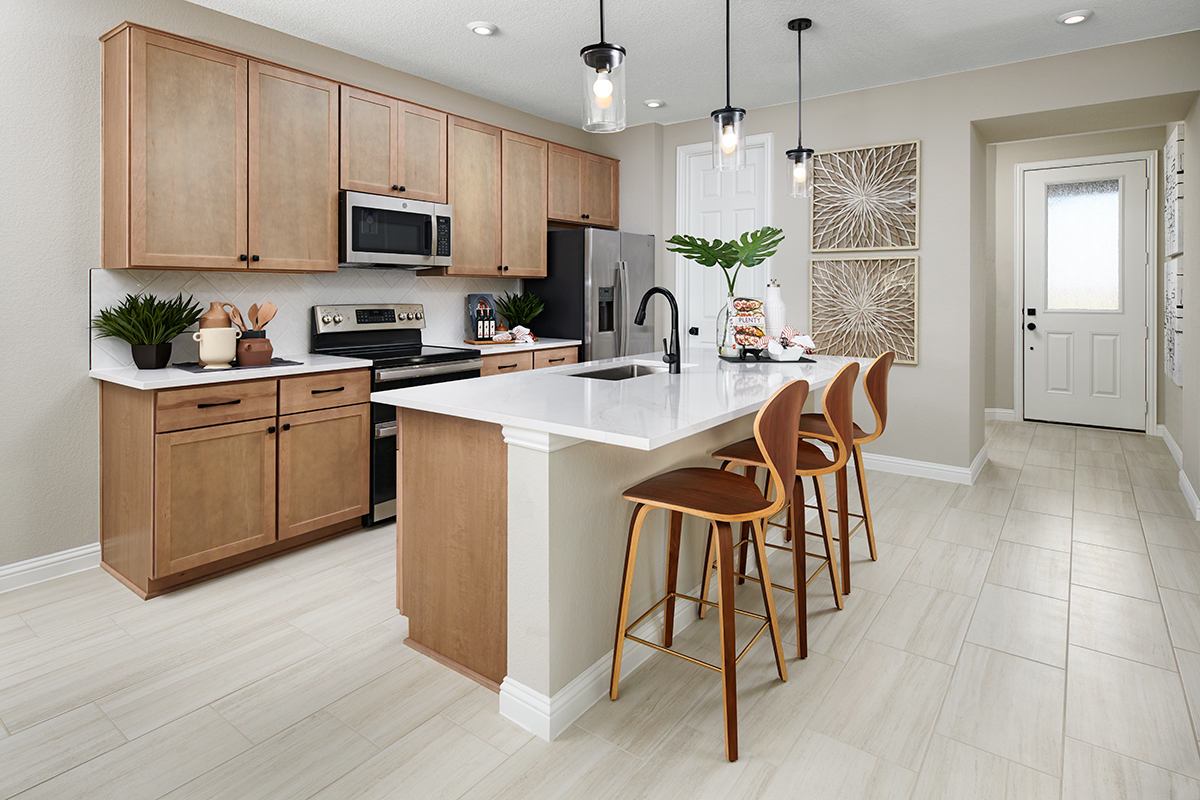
685, 657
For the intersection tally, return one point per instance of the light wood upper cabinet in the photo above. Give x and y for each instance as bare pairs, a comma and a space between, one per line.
474, 190
392, 147
214, 493
523, 204
179, 159
324, 465
293, 171
582, 188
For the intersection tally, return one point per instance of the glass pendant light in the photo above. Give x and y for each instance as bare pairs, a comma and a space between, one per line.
800, 170
729, 143
603, 85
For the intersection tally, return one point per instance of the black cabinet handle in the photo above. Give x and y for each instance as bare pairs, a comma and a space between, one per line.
587, 216
556, 360
287, 426
326, 391
243, 257
395, 187
506, 366
499, 269
271, 429
213, 405
254, 258
506, 269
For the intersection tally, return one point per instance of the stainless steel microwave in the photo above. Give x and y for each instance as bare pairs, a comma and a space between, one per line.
381, 231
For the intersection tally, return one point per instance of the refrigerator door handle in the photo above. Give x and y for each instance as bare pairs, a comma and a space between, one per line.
623, 347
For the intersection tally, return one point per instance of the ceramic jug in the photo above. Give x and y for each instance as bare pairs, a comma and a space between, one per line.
254, 352
216, 316
218, 346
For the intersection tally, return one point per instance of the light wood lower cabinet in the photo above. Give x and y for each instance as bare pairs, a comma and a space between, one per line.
506, 362
323, 468
208, 494
557, 357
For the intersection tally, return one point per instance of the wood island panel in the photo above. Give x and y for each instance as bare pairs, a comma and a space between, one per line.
455, 539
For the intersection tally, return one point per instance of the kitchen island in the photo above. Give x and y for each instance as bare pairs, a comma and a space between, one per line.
511, 531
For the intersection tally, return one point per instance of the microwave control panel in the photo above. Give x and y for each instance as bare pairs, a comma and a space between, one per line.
443, 236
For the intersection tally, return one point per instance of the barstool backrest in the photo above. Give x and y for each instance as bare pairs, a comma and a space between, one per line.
837, 403
875, 383
775, 430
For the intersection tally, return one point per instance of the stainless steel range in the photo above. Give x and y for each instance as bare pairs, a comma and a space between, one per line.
389, 335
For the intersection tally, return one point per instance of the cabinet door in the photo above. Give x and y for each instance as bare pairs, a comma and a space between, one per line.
501, 364
187, 163
474, 191
523, 182
600, 186
293, 175
422, 148
565, 186
214, 493
370, 132
324, 464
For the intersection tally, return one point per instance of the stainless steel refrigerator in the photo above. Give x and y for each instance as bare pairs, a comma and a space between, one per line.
594, 281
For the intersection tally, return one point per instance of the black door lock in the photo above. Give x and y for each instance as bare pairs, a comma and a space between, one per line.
693, 331
1031, 327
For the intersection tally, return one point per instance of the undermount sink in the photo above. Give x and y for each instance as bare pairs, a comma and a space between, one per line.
620, 373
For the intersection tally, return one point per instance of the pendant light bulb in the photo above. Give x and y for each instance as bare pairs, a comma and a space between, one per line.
604, 85
729, 146
729, 139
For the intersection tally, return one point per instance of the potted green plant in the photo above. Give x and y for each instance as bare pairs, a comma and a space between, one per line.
519, 309
148, 325
753, 248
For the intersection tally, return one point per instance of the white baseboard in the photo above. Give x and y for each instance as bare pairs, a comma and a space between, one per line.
1000, 414
977, 465
926, 469
1171, 445
1189, 493
54, 565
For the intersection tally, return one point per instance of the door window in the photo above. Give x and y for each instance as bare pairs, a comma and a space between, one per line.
1083, 246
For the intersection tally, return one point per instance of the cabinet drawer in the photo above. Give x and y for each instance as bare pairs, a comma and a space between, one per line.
556, 357
509, 362
323, 390
179, 409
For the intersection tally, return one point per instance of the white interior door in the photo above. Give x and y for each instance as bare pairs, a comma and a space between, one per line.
719, 205
1086, 261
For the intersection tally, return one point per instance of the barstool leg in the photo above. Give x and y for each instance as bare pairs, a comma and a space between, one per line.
861, 474
635, 530
724, 536
843, 514
710, 555
830, 550
799, 568
764, 578
672, 576
752, 474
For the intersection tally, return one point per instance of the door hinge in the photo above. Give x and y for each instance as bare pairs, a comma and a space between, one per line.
1147, 330
1146, 407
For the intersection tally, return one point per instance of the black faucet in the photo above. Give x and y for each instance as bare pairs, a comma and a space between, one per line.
670, 353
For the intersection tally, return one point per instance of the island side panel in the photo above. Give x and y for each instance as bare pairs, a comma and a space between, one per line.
454, 498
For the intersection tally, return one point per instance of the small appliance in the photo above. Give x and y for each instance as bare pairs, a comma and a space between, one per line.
379, 231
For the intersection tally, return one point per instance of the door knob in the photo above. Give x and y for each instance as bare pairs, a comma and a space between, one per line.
693, 331
1031, 326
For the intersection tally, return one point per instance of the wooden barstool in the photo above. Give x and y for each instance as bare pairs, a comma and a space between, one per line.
816, 426
722, 498
811, 462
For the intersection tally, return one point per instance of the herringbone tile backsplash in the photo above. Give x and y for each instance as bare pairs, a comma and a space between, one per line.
444, 300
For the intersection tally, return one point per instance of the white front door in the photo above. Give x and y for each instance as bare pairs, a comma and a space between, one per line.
719, 205
1085, 287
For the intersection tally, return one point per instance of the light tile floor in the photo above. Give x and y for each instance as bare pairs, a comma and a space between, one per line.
1034, 636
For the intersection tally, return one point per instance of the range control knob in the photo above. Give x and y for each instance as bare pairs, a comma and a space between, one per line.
337, 319
420, 315
409, 315
326, 319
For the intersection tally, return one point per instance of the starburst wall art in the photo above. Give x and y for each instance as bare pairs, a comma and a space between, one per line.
866, 198
862, 307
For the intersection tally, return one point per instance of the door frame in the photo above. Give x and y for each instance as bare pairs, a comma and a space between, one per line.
1152, 266
683, 208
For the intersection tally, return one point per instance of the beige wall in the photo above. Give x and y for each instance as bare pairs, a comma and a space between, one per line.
937, 406
1188, 436
50, 147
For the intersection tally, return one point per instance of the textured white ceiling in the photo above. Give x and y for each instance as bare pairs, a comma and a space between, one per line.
676, 49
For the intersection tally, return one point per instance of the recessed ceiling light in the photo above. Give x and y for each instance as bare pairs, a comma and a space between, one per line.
482, 28
1075, 17
655, 103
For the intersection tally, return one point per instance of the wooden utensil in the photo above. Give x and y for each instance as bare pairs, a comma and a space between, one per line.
252, 317
266, 314
235, 317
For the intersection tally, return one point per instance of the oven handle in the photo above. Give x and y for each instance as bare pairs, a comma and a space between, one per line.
385, 429
399, 373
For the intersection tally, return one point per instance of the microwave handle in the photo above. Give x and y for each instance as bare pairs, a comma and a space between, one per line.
428, 236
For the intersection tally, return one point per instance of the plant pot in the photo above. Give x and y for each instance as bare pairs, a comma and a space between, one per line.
254, 351
151, 356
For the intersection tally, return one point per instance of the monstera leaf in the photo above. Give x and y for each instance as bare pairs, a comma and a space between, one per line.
757, 246
704, 252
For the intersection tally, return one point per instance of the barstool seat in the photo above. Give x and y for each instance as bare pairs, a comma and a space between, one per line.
746, 453
816, 426
710, 493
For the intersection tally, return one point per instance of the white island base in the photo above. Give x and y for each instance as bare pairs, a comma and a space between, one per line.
512, 574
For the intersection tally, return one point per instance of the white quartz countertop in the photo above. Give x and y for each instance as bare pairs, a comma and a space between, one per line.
172, 378
512, 347
643, 413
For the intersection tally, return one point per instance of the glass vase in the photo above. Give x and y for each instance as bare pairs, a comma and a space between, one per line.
726, 346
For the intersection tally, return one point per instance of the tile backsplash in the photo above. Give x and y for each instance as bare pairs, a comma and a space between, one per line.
444, 300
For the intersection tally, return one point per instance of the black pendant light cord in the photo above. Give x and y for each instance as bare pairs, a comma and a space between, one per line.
799, 89
727, 105
602, 41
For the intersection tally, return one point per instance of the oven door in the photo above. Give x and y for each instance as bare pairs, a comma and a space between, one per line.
383, 419
390, 231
